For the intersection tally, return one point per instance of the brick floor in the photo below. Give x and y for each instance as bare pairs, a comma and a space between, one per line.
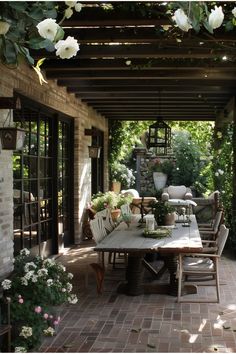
117, 323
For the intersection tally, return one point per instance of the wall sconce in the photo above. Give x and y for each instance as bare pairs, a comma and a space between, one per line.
11, 138
94, 151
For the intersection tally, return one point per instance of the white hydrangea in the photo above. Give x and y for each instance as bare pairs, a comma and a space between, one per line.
24, 252
70, 276
24, 281
28, 266
26, 332
20, 350
41, 272
29, 275
48, 262
49, 331
72, 299
49, 282
69, 287
48, 28
6, 284
67, 48
34, 279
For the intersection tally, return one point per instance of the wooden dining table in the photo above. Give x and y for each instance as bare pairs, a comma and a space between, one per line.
131, 240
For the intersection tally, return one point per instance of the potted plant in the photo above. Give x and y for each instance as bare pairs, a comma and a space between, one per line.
164, 213
161, 169
121, 177
110, 200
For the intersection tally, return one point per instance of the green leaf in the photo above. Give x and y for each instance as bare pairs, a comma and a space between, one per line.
39, 43
59, 35
25, 52
18, 5
207, 26
9, 52
229, 26
51, 14
36, 13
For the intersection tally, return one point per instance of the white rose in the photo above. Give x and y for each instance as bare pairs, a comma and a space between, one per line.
4, 27
67, 48
48, 28
182, 20
24, 252
72, 299
70, 3
68, 12
234, 11
78, 7
217, 174
216, 17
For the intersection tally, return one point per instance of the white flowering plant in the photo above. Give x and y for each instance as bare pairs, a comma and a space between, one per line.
33, 289
35, 25
121, 173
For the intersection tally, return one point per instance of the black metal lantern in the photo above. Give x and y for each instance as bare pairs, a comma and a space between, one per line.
159, 135
12, 138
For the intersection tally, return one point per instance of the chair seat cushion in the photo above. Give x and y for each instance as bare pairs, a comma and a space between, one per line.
177, 192
196, 263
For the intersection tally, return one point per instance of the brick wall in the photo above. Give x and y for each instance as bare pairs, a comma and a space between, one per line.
25, 81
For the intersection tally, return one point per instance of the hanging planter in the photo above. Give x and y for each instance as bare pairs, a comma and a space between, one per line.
12, 138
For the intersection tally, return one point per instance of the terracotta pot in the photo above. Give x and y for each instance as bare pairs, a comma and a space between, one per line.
115, 213
116, 187
170, 219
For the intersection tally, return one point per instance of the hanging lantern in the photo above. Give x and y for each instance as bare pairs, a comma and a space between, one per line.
12, 138
159, 135
94, 151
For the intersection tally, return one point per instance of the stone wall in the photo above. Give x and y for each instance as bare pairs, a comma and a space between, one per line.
25, 81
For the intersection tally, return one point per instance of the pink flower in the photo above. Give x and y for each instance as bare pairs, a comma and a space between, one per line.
20, 300
38, 309
55, 323
46, 316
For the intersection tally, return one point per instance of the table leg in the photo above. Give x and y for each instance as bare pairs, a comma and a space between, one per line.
134, 276
171, 264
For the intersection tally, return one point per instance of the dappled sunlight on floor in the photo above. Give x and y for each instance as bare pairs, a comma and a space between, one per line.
113, 322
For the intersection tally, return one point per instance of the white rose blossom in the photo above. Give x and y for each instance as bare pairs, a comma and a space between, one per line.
42, 272
67, 48
69, 287
70, 3
216, 17
6, 284
49, 331
182, 20
78, 7
234, 11
68, 12
29, 275
48, 28
70, 276
216, 174
28, 266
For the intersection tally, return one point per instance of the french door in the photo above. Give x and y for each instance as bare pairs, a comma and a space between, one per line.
43, 181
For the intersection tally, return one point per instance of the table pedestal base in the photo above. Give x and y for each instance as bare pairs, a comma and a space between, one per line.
134, 285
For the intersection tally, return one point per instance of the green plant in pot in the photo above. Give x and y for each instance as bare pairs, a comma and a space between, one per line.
163, 213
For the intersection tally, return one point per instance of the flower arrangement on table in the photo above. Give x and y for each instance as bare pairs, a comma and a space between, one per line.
34, 288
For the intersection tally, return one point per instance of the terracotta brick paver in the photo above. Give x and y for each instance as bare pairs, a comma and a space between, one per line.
117, 323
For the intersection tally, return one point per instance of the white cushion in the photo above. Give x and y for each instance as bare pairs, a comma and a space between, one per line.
177, 192
195, 263
132, 192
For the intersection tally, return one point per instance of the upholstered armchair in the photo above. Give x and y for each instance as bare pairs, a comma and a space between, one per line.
176, 192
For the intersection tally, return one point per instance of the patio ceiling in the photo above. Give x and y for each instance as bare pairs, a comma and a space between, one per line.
129, 67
